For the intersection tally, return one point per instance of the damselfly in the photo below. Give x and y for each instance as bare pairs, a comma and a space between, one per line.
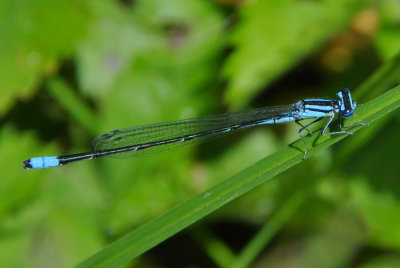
156, 138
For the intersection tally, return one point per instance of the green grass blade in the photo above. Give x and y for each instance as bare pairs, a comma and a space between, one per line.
215, 248
149, 235
380, 81
268, 231
385, 77
73, 104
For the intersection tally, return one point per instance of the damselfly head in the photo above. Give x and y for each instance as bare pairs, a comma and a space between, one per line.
346, 103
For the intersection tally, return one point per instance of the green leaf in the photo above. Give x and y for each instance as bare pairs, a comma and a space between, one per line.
35, 35
388, 37
176, 38
147, 236
380, 212
274, 36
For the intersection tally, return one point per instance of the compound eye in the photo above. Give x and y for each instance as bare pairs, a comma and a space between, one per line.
347, 113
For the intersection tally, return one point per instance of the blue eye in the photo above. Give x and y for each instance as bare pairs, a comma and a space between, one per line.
347, 113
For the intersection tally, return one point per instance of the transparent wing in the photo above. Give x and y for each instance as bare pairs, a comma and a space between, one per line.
157, 138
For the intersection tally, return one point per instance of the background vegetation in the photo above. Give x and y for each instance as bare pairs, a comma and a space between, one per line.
71, 70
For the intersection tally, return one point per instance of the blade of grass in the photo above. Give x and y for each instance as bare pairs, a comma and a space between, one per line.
148, 235
380, 81
267, 232
73, 104
215, 248
385, 77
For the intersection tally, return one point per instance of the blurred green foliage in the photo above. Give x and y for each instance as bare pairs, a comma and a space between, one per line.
71, 70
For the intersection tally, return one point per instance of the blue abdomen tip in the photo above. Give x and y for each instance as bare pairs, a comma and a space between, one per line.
41, 162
